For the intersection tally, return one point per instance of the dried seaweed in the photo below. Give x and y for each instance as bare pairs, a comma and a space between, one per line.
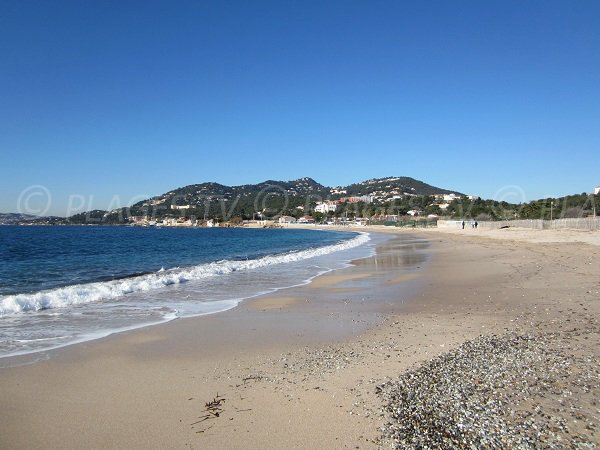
212, 410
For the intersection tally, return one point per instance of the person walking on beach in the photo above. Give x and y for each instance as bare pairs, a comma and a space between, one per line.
476, 224
463, 224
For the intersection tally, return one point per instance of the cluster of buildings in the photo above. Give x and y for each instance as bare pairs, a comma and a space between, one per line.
145, 221
362, 198
289, 220
444, 200
332, 205
286, 220
323, 207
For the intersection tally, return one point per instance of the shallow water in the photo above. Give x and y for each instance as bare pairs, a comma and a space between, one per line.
234, 265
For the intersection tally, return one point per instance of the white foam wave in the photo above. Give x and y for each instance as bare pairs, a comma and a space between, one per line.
94, 292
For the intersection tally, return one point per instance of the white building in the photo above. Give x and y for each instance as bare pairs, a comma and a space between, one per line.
287, 219
325, 207
357, 199
306, 219
446, 197
450, 197
597, 190
138, 220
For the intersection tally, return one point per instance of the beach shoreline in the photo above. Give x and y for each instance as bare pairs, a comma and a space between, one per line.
301, 368
88, 309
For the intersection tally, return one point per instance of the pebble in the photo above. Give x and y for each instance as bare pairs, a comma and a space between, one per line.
482, 394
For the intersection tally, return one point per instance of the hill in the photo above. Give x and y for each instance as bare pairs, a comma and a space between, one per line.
377, 197
270, 197
276, 196
13, 218
382, 188
394, 186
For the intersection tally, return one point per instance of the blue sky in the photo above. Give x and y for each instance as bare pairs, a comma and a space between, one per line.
102, 103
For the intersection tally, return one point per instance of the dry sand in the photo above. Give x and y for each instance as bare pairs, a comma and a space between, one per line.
300, 369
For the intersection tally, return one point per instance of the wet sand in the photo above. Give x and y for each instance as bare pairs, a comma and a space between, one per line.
300, 369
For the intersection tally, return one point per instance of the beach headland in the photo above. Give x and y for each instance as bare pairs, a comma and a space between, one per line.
318, 366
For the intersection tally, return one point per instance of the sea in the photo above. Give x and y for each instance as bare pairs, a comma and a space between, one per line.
63, 285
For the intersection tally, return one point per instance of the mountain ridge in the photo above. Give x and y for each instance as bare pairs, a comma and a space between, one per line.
212, 199
391, 186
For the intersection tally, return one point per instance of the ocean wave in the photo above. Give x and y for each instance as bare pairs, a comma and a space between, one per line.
106, 290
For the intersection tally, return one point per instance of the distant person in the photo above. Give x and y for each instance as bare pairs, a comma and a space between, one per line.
476, 224
463, 224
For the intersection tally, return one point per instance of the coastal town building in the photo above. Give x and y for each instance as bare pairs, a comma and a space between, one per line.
326, 207
181, 206
147, 221
306, 219
597, 190
287, 219
179, 222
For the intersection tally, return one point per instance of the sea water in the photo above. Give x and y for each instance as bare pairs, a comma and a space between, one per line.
62, 285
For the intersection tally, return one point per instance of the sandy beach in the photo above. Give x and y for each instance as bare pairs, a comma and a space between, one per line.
318, 366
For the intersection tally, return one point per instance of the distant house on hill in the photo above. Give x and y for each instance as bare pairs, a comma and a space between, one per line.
357, 199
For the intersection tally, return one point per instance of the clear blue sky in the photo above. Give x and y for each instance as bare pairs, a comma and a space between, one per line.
129, 99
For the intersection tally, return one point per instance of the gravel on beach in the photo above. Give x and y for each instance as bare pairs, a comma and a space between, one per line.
516, 390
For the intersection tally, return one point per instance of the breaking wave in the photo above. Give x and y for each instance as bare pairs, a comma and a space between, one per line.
106, 290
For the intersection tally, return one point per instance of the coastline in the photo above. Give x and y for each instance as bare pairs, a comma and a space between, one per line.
299, 368
210, 280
